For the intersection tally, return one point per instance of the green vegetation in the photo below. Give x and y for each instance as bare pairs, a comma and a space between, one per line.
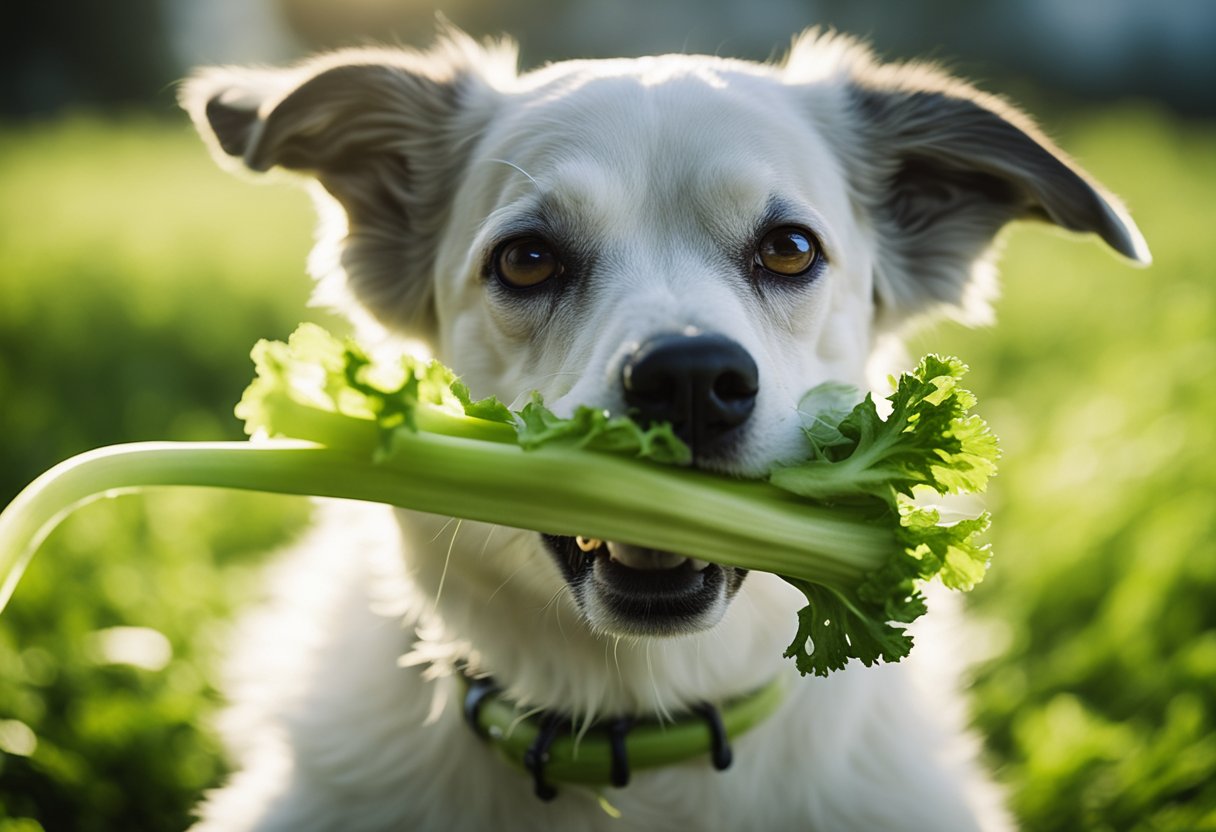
133, 278
1099, 701
406, 432
855, 544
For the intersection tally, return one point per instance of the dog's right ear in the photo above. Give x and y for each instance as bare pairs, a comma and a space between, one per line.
385, 133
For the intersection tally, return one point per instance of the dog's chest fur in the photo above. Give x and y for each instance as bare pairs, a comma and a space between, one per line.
336, 734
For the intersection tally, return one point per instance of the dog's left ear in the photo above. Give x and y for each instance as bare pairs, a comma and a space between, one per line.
385, 132
940, 168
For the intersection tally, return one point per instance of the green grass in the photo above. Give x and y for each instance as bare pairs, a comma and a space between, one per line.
1101, 711
134, 277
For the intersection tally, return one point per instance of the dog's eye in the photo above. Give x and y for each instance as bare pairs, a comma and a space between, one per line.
787, 251
526, 262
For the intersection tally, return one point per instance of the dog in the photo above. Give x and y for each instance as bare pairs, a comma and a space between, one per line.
696, 240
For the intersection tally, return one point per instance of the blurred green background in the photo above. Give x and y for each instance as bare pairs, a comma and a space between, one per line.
134, 277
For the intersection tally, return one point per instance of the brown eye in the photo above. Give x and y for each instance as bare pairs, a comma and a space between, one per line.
787, 251
526, 262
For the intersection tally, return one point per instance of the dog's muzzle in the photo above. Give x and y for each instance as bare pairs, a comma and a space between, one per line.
705, 386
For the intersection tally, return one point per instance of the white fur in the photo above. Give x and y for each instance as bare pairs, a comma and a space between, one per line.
345, 714
331, 732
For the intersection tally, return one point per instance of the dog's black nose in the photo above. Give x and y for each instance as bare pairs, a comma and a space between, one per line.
705, 385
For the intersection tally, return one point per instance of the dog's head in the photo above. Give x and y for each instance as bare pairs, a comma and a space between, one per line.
693, 239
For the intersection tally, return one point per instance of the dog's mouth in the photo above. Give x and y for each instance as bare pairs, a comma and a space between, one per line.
630, 590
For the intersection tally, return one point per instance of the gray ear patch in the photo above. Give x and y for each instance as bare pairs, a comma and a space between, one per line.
233, 118
941, 168
971, 146
377, 130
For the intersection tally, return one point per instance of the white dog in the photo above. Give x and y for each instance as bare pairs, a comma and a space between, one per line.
696, 239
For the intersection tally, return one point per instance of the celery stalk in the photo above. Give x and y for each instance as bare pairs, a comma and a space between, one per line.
555, 490
840, 525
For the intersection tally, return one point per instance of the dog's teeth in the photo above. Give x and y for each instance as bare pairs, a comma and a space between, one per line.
697, 564
588, 544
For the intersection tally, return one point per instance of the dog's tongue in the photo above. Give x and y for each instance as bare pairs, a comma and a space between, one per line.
649, 560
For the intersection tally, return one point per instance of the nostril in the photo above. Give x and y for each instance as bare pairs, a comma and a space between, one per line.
733, 386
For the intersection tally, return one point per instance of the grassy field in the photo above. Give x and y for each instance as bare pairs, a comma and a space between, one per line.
1100, 709
134, 278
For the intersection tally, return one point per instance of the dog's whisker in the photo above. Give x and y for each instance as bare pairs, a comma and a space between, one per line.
518, 569
552, 599
584, 725
591, 712
447, 560
607, 666
557, 610
521, 717
700, 666
443, 529
516, 167
485, 546
660, 707
557, 613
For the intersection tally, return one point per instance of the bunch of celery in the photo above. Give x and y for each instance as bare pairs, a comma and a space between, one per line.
841, 525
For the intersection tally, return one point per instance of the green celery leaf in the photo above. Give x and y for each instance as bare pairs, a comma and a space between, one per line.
951, 551
929, 439
595, 430
839, 628
822, 409
489, 408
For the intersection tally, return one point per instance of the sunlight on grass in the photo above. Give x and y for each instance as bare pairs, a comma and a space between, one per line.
1098, 378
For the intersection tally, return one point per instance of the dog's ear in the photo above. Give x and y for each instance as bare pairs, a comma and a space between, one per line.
941, 168
385, 133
